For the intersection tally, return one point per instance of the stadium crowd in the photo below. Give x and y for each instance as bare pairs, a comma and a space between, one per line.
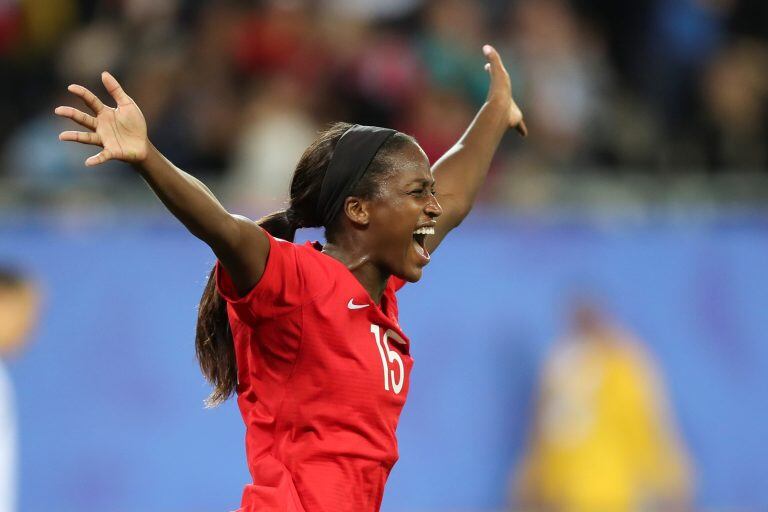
233, 91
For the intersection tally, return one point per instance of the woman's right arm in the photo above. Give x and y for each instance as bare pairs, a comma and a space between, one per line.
121, 132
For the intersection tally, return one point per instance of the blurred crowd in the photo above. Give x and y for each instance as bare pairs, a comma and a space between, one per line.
234, 90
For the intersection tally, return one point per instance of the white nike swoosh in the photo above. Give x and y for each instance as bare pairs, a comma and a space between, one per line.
352, 305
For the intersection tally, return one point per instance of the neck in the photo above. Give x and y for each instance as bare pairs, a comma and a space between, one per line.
358, 260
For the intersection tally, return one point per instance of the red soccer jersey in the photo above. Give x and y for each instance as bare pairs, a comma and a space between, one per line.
322, 377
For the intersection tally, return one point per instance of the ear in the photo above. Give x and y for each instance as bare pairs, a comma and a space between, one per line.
357, 210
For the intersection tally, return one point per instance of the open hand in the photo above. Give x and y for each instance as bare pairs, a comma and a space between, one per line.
120, 131
500, 90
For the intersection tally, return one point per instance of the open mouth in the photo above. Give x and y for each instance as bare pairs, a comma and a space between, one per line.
419, 238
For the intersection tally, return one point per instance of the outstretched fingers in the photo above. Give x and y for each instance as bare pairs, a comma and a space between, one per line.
77, 116
88, 138
114, 89
90, 99
98, 158
92, 138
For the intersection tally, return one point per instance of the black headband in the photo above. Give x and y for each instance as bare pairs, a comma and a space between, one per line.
351, 158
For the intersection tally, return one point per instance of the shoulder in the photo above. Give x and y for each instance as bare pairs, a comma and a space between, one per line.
318, 271
310, 255
294, 275
302, 254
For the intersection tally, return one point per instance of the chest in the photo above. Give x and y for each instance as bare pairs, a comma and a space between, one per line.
355, 352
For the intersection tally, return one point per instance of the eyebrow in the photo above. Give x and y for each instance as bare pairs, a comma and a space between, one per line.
422, 181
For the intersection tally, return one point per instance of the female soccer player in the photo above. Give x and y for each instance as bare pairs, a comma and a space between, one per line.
307, 335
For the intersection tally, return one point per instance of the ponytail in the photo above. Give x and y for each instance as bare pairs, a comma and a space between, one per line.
214, 345
280, 224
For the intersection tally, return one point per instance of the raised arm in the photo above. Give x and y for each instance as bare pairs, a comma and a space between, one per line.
460, 172
121, 132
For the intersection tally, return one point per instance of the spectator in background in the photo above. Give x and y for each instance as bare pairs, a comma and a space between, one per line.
19, 305
30, 31
448, 86
452, 30
370, 10
200, 90
451, 109
602, 440
276, 132
567, 83
734, 92
636, 88
35, 169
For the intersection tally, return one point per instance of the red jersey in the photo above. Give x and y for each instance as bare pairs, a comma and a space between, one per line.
322, 377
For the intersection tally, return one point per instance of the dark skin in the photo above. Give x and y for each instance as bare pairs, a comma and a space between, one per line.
376, 240
376, 237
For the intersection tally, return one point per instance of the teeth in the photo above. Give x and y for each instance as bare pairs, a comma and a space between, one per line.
425, 231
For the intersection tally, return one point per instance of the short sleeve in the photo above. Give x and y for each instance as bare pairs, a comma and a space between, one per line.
280, 290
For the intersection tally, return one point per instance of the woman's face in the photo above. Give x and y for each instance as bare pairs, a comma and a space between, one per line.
405, 203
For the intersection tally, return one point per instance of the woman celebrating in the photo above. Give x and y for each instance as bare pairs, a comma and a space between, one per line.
307, 335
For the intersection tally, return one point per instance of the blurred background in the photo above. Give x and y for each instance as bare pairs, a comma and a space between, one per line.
592, 339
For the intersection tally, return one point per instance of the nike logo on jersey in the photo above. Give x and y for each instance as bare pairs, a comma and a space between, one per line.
352, 305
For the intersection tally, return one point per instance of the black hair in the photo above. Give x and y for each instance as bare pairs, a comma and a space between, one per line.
214, 345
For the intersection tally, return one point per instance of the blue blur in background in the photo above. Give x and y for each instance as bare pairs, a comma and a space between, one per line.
110, 399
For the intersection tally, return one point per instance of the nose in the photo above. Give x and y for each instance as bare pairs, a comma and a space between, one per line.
433, 208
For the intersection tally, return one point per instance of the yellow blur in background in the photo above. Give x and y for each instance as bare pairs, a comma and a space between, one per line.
603, 439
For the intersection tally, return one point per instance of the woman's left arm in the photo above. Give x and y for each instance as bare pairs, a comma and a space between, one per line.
460, 172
